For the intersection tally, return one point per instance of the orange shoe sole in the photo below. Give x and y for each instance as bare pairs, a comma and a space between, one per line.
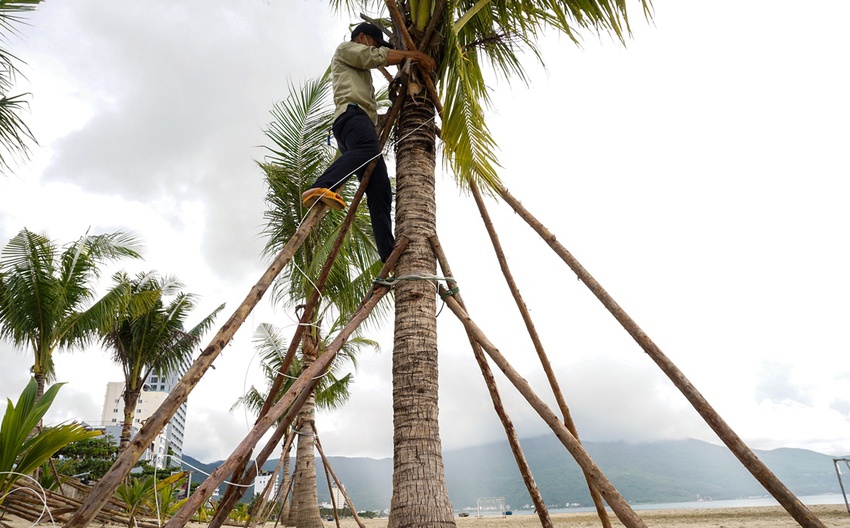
327, 196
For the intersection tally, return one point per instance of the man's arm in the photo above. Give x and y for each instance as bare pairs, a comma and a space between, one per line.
397, 56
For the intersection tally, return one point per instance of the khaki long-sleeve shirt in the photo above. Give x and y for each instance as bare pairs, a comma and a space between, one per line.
351, 77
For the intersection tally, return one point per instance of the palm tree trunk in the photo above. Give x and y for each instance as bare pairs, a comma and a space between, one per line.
39, 383
131, 398
305, 500
287, 476
745, 455
420, 498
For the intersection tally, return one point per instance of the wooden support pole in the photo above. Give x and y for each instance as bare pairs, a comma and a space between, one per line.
284, 502
490, 382
241, 477
624, 512
289, 403
248, 473
330, 489
535, 339
258, 511
106, 486
756, 467
339, 485
398, 19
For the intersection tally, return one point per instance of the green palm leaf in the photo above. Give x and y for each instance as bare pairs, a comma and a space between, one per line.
21, 451
480, 37
46, 292
14, 132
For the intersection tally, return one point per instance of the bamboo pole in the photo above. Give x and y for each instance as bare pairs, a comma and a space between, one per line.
107, 485
330, 489
276, 499
535, 339
339, 485
398, 19
284, 510
756, 467
289, 403
624, 512
260, 505
231, 498
490, 382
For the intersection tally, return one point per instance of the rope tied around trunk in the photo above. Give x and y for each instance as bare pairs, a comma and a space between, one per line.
390, 282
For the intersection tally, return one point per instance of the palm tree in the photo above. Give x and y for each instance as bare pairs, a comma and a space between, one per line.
464, 37
147, 334
295, 161
45, 292
14, 133
331, 392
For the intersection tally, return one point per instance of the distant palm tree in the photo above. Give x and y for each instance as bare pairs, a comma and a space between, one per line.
14, 133
331, 392
299, 155
46, 293
147, 334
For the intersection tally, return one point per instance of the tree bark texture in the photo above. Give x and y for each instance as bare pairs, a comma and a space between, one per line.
745, 455
286, 485
131, 399
420, 497
107, 485
304, 512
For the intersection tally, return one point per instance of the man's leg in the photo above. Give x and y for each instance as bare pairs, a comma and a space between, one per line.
357, 139
379, 197
358, 142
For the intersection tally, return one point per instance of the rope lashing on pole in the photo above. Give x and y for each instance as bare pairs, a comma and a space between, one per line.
390, 282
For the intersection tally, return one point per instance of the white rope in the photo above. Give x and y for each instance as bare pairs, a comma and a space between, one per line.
42, 496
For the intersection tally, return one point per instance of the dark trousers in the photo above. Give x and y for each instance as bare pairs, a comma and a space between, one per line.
357, 140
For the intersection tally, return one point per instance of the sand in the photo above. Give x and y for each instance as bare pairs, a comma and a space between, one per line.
832, 516
761, 517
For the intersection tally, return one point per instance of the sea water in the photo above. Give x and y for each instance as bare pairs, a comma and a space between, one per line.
828, 498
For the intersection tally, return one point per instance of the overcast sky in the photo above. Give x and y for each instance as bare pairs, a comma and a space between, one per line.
700, 174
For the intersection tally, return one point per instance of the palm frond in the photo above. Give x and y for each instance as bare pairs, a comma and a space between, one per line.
14, 132
20, 450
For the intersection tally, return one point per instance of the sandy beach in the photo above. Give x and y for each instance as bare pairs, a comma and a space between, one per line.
833, 516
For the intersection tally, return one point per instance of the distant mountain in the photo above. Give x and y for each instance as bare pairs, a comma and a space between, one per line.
671, 471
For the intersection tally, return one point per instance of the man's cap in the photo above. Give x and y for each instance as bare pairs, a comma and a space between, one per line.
373, 31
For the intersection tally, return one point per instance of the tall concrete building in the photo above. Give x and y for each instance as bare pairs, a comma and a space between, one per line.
154, 392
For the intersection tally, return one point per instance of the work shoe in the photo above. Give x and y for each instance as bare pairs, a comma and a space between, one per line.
327, 196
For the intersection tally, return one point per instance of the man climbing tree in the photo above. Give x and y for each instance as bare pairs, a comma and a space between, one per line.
355, 118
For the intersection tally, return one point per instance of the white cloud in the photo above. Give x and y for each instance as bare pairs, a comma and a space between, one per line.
698, 174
